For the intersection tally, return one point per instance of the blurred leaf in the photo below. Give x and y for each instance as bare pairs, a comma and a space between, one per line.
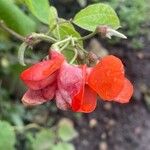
66, 130
17, 114
66, 29
53, 17
43, 140
7, 136
97, 14
15, 18
63, 146
69, 54
39, 9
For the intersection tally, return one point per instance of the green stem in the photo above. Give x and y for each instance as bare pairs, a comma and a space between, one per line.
64, 46
88, 36
63, 41
75, 56
21, 52
57, 29
15, 34
80, 47
40, 36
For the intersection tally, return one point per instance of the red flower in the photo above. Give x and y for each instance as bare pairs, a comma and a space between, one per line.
41, 79
108, 80
85, 100
72, 91
37, 97
76, 87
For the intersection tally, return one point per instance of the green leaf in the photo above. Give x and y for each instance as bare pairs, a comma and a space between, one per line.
43, 140
53, 17
97, 14
69, 54
7, 136
63, 146
15, 18
64, 30
40, 9
66, 130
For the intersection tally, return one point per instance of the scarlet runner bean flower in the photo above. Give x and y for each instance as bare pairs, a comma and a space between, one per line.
41, 80
108, 79
72, 89
76, 87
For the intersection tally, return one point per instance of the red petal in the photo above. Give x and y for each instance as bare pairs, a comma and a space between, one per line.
126, 93
72, 92
37, 97
38, 75
69, 82
37, 85
107, 77
85, 100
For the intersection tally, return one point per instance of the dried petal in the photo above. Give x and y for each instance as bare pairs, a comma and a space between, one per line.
60, 102
37, 97
69, 82
107, 77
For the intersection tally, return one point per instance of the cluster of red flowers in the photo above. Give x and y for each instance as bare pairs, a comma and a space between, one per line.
76, 87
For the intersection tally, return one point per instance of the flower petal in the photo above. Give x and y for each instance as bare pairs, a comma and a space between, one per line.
61, 102
37, 97
69, 82
37, 85
40, 75
107, 77
84, 101
126, 93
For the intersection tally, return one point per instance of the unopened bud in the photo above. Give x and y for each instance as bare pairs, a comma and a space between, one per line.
109, 32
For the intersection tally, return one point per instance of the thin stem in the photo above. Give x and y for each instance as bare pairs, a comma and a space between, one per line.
64, 21
80, 47
64, 46
43, 37
75, 56
4, 27
21, 52
72, 42
63, 41
57, 29
27, 127
88, 36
